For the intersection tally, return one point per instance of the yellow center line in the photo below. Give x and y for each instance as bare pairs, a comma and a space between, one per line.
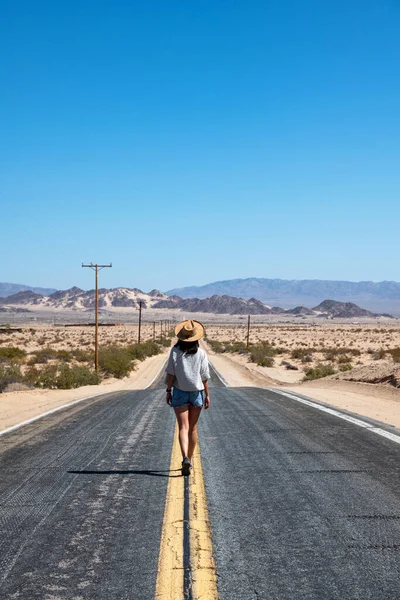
204, 580
169, 584
170, 577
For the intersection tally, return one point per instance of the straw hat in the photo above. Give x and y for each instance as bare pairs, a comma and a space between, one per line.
189, 331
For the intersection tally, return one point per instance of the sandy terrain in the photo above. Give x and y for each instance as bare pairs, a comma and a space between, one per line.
378, 402
340, 346
16, 407
38, 336
362, 336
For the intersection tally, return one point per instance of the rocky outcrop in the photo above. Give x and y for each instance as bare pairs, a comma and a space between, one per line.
301, 311
383, 372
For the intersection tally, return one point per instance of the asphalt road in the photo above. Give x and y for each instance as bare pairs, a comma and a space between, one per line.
302, 505
82, 501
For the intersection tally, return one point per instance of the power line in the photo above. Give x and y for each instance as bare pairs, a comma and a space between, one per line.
96, 268
140, 319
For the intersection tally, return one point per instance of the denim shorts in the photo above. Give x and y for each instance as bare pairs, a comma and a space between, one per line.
181, 398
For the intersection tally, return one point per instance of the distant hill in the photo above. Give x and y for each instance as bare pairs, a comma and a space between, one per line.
331, 309
217, 304
77, 299
382, 296
8, 289
342, 310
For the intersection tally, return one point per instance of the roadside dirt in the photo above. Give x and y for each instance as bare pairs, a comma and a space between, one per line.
375, 401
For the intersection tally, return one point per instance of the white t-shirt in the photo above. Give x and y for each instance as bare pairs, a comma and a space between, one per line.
189, 370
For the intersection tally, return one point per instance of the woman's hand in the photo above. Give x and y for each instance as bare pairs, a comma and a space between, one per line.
207, 402
169, 398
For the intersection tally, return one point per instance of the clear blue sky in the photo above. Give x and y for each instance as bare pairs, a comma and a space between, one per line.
189, 142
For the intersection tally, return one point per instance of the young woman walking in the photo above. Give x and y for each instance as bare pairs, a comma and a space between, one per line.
187, 386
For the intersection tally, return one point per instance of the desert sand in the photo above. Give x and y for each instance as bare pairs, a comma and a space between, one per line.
378, 402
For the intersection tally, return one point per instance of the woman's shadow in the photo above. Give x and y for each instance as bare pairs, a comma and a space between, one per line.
152, 473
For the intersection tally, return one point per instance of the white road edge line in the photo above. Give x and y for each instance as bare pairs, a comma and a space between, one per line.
158, 374
382, 432
225, 383
54, 410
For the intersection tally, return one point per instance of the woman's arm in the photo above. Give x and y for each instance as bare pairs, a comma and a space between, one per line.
206, 396
170, 383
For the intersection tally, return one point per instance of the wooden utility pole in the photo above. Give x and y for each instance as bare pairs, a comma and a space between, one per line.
154, 330
96, 268
248, 332
140, 319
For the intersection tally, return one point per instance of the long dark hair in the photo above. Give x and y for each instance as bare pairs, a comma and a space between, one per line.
187, 347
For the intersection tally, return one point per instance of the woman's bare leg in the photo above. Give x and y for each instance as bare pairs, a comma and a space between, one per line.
194, 414
182, 416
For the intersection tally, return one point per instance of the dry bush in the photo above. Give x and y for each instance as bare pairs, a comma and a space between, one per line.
11, 354
319, 371
9, 373
395, 353
61, 377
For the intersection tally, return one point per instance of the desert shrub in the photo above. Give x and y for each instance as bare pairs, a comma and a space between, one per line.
379, 354
301, 353
216, 346
345, 367
330, 355
343, 360
117, 362
232, 346
64, 355
9, 373
318, 372
266, 361
83, 355
43, 378
307, 359
163, 341
42, 356
257, 354
395, 353
61, 377
263, 354
333, 353
12, 354
144, 349
236, 346
77, 376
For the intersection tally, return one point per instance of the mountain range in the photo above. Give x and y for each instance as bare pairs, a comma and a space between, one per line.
381, 296
239, 306
7, 289
76, 299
